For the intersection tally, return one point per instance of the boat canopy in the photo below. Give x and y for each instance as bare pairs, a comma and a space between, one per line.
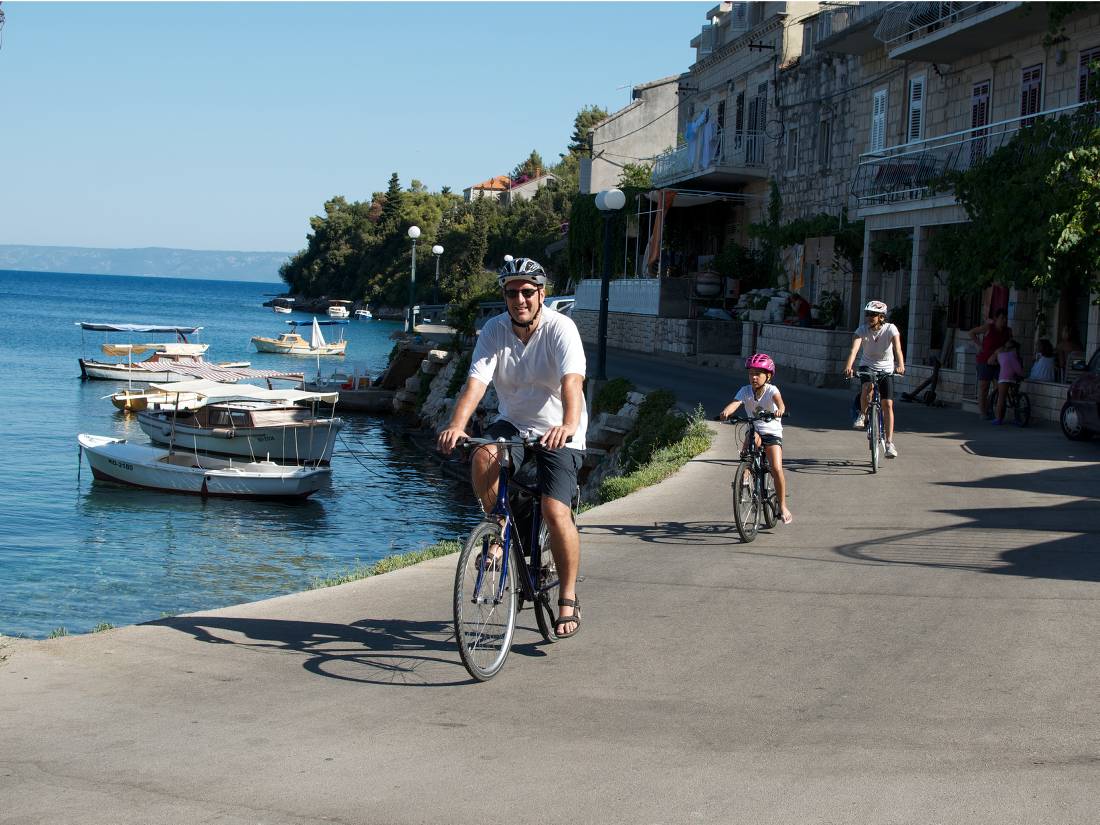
214, 392
137, 328
165, 348
328, 322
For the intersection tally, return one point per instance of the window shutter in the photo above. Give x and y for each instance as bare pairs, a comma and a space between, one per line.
878, 122
915, 129
1087, 57
1031, 91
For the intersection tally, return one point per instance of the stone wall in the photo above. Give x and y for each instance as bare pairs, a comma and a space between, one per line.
802, 355
647, 333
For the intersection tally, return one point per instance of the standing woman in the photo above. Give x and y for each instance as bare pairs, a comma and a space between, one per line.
994, 334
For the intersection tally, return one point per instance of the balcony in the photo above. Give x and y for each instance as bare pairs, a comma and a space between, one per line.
906, 173
717, 164
732, 23
849, 27
946, 32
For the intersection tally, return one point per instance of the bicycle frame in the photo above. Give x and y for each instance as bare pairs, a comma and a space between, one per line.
529, 588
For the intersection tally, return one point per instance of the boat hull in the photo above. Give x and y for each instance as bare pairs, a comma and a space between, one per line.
102, 371
296, 443
152, 468
271, 345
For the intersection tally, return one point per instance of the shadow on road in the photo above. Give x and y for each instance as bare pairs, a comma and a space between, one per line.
372, 651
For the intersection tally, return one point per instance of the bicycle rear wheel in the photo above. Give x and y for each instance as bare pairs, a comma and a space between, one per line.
485, 618
546, 602
1021, 410
746, 502
770, 506
875, 434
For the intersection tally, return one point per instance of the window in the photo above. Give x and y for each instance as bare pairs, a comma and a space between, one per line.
979, 116
792, 150
878, 121
739, 120
808, 30
824, 143
915, 128
1031, 92
1088, 75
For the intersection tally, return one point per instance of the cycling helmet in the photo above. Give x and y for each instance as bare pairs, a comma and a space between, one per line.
877, 307
522, 269
760, 361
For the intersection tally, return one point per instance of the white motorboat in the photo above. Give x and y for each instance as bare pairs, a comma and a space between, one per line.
138, 399
357, 393
339, 309
283, 305
243, 420
292, 343
174, 471
363, 315
282, 310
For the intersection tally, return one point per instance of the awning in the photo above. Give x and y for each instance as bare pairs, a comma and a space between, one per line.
212, 372
328, 322
117, 350
216, 391
136, 328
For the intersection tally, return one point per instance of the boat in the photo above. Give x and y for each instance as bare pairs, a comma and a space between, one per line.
338, 309
244, 420
283, 306
175, 471
282, 310
136, 400
291, 343
355, 392
168, 361
363, 315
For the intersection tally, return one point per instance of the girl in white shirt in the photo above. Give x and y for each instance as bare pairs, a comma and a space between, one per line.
760, 395
881, 343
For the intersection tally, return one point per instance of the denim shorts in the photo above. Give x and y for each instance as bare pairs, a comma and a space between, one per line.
988, 372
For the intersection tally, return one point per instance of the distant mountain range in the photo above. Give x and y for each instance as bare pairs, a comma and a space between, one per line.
152, 260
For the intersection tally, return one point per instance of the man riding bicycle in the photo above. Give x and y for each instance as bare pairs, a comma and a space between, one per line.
881, 343
536, 362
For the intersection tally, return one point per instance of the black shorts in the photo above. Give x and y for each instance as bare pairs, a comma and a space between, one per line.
555, 470
767, 440
988, 372
885, 387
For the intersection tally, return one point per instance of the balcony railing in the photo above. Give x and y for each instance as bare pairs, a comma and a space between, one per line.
734, 24
837, 15
728, 151
906, 172
905, 22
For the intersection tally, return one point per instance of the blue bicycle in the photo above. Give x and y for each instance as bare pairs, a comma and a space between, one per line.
499, 569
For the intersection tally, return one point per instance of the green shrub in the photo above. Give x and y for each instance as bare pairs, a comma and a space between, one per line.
57, 633
388, 564
458, 377
102, 626
612, 396
658, 424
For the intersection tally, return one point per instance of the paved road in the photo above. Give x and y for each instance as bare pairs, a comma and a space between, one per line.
918, 647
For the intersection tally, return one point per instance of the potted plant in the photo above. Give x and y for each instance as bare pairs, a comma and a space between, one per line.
829, 308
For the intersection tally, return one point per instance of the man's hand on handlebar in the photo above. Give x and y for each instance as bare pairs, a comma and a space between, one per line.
449, 438
556, 437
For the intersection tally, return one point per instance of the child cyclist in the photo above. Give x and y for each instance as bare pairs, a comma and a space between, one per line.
760, 395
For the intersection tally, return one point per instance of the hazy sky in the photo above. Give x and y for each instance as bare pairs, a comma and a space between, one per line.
227, 125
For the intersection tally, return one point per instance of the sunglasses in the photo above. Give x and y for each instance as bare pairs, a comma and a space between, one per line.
527, 292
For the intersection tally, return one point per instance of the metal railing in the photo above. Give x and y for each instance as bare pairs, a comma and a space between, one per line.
837, 15
907, 172
728, 149
732, 25
905, 22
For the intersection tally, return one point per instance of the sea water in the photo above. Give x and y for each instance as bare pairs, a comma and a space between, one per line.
76, 553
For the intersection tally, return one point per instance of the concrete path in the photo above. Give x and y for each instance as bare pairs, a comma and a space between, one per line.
918, 647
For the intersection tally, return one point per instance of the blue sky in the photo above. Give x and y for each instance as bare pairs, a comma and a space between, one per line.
227, 125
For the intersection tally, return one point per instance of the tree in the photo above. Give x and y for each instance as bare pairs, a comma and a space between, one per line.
533, 167
393, 200
637, 175
586, 118
1075, 231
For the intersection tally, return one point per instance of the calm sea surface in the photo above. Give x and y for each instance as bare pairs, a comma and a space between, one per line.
75, 552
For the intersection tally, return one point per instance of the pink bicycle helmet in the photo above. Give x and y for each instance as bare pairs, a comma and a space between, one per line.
760, 361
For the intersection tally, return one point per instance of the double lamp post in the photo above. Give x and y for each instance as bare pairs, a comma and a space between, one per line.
437, 250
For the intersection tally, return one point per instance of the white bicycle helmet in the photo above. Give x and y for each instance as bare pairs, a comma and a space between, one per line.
877, 307
522, 269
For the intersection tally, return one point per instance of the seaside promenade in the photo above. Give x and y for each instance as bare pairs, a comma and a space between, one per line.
917, 647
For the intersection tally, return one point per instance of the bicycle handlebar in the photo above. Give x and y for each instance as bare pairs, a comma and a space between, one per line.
531, 440
871, 373
760, 416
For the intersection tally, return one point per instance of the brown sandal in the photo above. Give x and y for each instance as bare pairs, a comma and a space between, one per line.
564, 620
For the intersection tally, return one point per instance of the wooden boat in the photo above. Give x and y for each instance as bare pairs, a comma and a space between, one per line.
174, 471
247, 421
291, 343
168, 361
136, 400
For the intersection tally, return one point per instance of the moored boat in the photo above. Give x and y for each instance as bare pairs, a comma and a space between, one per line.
338, 309
174, 471
292, 343
363, 315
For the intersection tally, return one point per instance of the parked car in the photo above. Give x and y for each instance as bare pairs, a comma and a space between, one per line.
561, 303
1080, 416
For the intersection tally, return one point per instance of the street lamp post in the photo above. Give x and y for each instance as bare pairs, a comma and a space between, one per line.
437, 250
414, 233
608, 202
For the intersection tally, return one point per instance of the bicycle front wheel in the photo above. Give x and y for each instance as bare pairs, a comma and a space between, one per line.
875, 434
484, 613
1021, 412
770, 506
746, 502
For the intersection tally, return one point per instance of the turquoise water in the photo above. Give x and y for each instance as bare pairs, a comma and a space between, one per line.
75, 552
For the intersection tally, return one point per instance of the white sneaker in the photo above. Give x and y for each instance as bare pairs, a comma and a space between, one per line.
891, 450
860, 422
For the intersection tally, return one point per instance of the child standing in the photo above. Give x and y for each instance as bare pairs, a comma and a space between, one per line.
1008, 361
760, 395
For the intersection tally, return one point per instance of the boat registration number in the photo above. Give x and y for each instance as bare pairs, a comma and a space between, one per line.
122, 464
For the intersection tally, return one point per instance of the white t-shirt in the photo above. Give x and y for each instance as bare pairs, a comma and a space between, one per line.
766, 403
528, 377
1043, 369
878, 347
